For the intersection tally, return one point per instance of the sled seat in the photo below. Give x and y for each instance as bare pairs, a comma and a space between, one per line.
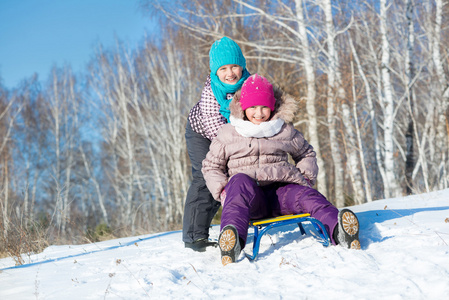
307, 225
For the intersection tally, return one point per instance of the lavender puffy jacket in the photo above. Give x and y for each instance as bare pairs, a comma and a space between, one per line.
264, 159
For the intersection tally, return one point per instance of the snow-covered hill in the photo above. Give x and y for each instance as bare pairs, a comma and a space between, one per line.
405, 255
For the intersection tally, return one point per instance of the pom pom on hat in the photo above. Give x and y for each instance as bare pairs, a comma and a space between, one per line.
225, 52
257, 90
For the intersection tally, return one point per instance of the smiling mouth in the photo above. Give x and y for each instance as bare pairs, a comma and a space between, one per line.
258, 120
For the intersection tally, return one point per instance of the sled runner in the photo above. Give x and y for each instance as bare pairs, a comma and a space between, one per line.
307, 225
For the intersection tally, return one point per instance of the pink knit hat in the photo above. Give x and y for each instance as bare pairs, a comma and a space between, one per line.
257, 90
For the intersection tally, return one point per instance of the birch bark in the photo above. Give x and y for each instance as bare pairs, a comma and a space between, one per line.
310, 106
391, 186
335, 86
372, 113
129, 148
442, 106
55, 115
369, 196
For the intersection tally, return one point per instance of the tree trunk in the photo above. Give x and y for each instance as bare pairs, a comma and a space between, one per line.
311, 99
391, 186
369, 196
410, 159
442, 141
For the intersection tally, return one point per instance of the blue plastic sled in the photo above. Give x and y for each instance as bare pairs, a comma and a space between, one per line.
307, 225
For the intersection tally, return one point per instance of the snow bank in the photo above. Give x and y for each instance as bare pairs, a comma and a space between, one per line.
405, 255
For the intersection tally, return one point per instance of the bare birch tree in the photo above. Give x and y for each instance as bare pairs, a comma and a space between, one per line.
312, 114
443, 99
61, 101
10, 108
391, 185
336, 94
6, 123
146, 98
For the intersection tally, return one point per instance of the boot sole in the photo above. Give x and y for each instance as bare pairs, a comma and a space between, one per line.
350, 223
355, 245
227, 243
350, 226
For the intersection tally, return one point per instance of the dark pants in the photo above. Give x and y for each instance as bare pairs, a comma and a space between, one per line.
246, 201
200, 207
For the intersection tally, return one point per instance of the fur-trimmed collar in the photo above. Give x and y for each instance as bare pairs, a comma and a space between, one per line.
285, 107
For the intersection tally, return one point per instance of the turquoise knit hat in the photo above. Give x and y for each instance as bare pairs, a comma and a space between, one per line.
225, 52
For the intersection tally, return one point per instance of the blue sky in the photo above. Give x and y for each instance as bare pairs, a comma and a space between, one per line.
37, 34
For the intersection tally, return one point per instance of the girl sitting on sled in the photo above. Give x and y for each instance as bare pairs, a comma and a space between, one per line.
247, 169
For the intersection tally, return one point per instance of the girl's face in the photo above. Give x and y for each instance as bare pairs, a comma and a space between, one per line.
230, 74
258, 114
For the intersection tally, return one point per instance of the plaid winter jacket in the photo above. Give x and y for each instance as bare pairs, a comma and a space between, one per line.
205, 117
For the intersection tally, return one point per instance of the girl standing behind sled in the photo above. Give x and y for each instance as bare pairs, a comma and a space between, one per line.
227, 74
247, 169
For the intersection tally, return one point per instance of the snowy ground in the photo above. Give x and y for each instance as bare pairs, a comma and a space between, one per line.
405, 255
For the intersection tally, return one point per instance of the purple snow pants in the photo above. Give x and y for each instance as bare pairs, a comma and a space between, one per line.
246, 201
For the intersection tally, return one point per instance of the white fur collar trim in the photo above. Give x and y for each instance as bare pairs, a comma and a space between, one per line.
265, 129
